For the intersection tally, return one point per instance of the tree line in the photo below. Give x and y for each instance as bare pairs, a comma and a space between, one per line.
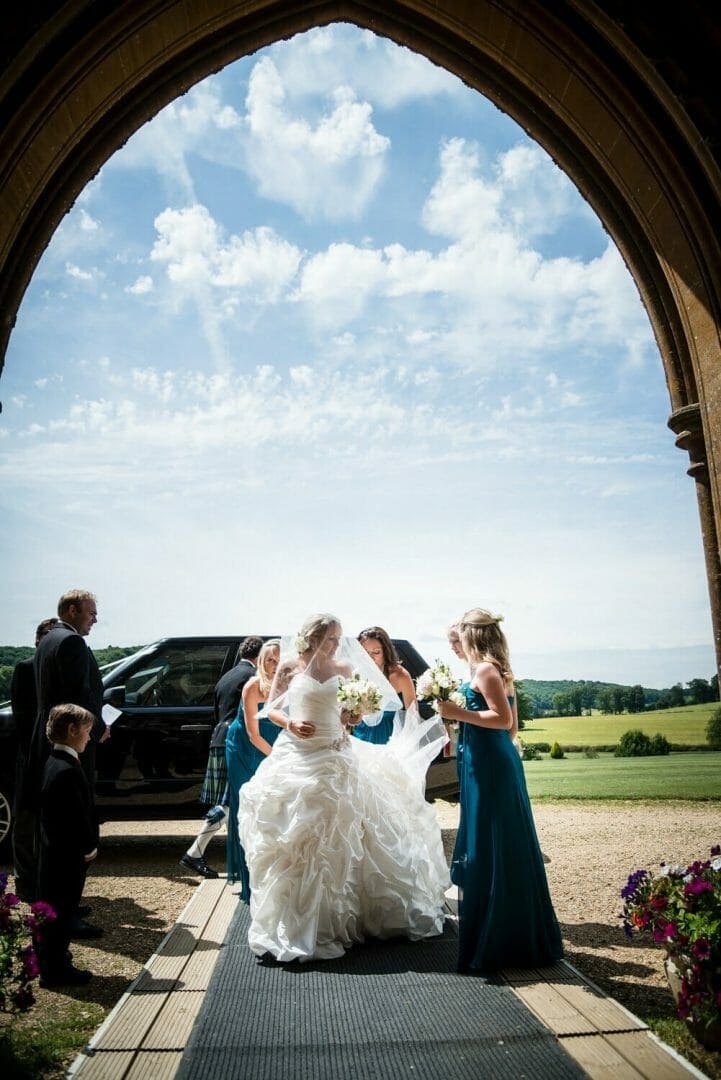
10, 655
576, 698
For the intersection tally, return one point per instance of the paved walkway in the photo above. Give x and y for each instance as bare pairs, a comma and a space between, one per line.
145, 1035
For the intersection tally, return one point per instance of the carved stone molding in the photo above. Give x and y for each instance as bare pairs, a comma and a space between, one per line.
687, 427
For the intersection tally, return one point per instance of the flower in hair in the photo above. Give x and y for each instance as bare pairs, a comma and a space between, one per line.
498, 618
300, 644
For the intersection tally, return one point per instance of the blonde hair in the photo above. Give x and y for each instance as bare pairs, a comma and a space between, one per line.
264, 678
74, 597
315, 628
483, 640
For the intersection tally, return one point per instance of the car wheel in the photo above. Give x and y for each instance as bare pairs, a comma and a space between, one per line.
6, 820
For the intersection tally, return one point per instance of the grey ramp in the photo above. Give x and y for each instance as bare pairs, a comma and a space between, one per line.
383, 1011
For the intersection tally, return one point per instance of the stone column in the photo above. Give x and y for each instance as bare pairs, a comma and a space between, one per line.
687, 427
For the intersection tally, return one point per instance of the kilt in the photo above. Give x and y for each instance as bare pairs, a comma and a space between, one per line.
215, 786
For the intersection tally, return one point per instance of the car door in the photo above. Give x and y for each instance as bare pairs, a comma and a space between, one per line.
158, 748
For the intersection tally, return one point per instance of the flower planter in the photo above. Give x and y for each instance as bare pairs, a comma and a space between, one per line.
708, 1035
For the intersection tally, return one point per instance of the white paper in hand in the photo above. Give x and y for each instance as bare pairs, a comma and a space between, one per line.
110, 714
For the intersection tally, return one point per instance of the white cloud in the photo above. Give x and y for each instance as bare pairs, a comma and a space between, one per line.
76, 272
329, 169
488, 296
385, 74
258, 265
141, 286
87, 223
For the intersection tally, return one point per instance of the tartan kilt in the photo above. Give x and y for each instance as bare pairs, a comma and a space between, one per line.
215, 786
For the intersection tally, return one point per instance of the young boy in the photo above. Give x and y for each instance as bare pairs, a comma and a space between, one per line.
68, 840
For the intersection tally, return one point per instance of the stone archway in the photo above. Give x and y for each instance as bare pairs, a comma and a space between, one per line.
623, 101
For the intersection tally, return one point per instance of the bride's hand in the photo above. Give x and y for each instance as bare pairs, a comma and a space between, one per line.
349, 719
303, 729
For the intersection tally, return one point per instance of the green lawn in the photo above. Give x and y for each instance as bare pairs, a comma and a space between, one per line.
676, 776
684, 725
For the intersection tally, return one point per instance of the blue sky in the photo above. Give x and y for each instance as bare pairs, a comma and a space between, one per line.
331, 332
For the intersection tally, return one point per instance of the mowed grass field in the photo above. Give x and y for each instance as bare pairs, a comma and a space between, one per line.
692, 776
689, 775
683, 725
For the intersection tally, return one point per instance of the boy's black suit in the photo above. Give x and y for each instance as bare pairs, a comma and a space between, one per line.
68, 832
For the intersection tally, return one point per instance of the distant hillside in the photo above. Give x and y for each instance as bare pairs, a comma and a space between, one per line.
541, 692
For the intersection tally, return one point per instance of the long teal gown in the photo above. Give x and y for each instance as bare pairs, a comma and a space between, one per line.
506, 918
242, 758
376, 733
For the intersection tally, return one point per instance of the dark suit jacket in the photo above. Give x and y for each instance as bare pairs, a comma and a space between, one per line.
24, 702
68, 829
228, 694
65, 671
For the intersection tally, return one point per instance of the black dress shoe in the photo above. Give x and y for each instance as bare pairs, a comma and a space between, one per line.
68, 976
83, 930
198, 866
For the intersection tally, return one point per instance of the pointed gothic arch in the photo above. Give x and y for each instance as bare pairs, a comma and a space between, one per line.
622, 97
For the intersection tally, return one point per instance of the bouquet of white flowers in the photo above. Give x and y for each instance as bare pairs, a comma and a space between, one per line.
438, 683
358, 697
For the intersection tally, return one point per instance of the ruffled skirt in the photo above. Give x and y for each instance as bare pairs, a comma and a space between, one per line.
341, 844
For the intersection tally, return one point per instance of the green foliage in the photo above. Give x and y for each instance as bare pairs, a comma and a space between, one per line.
634, 743
700, 691
529, 752
637, 743
660, 744
6, 674
557, 751
524, 706
713, 730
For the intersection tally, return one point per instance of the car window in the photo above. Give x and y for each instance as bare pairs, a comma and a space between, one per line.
176, 676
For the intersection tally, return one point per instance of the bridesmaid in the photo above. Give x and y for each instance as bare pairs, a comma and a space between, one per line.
381, 650
250, 738
506, 915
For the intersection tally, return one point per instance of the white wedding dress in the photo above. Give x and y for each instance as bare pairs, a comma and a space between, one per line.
339, 840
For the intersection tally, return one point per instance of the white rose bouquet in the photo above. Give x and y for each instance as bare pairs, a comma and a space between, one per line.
358, 697
438, 683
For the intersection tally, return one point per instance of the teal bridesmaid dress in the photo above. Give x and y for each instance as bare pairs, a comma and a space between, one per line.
242, 758
506, 918
376, 733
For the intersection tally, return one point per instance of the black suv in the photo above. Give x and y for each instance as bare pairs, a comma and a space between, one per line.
158, 750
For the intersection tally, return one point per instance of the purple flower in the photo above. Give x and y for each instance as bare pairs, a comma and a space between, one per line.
3, 882
670, 931
634, 880
12, 900
43, 911
695, 888
716, 849
701, 949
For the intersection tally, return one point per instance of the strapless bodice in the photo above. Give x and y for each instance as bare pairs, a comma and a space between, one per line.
316, 702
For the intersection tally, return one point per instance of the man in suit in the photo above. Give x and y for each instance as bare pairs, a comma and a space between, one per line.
24, 703
226, 701
66, 672
68, 840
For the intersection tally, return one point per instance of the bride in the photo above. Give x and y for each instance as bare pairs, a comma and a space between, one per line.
339, 840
